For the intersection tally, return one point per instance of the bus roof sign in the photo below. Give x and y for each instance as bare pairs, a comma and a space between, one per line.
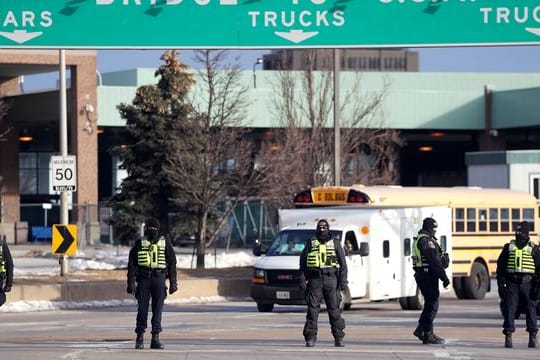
267, 23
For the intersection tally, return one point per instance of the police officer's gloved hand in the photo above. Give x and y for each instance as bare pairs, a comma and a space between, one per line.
342, 286
131, 288
7, 288
173, 288
445, 283
445, 260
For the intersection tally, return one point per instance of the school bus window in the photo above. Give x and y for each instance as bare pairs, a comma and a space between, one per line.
471, 220
528, 215
505, 220
482, 219
516, 218
459, 220
493, 219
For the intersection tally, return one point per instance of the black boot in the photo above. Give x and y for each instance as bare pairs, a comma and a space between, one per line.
508, 340
430, 339
338, 342
139, 341
419, 334
155, 344
533, 342
438, 338
310, 342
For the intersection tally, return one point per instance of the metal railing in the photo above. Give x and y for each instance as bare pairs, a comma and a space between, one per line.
249, 221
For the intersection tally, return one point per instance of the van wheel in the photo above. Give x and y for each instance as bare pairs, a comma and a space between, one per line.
476, 285
457, 284
265, 307
412, 302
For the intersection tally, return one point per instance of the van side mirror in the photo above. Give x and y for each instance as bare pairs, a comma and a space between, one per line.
364, 249
258, 249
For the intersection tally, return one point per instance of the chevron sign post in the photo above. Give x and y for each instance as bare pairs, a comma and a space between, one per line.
64, 239
267, 23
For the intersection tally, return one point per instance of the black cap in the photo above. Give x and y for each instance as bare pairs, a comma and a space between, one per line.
429, 224
323, 222
523, 228
152, 223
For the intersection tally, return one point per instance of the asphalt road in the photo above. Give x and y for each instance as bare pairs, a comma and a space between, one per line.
235, 330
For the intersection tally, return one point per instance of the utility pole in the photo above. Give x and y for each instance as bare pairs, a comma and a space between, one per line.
337, 126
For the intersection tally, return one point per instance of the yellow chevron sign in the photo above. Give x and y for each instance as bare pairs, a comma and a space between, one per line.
64, 239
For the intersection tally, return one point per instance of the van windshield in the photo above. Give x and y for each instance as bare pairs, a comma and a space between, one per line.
292, 242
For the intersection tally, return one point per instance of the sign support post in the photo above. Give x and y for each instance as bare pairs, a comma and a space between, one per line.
63, 151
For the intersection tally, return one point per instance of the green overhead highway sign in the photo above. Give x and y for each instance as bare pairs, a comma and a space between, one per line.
266, 23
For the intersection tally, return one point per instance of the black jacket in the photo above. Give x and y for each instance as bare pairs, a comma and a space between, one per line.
340, 254
429, 247
8, 260
135, 271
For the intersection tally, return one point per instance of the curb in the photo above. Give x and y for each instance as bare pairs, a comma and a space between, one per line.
78, 291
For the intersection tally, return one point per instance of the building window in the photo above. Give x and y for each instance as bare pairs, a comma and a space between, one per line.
535, 185
34, 172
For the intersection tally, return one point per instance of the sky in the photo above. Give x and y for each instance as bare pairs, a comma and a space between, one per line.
449, 59
108, 258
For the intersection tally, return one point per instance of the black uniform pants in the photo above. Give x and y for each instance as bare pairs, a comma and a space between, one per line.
151, 287
428, 283
318, 289
514, 291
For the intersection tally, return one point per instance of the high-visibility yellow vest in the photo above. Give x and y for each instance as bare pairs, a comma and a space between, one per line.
152, 255
419, 260
322, 255
520, 261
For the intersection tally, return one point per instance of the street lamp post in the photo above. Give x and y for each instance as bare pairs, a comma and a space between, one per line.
259, 61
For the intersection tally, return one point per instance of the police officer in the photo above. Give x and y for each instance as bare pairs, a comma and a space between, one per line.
429, 263
151, 261
518, 270
6, 271
324, 268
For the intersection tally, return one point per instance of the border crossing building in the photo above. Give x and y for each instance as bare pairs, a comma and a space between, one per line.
443, 118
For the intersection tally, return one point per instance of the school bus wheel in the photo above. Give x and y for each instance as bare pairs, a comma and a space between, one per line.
477, 284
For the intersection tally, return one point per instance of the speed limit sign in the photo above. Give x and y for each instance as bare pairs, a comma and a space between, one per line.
64, 173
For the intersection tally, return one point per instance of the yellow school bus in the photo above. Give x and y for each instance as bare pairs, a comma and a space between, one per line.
483, 220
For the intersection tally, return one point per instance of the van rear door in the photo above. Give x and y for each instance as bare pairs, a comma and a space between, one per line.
356, 266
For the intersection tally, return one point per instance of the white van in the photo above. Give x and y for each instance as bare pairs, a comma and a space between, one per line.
377, 243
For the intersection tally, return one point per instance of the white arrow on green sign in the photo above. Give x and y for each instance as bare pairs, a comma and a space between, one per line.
266, 23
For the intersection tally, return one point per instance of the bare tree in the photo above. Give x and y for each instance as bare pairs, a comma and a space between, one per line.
213, 162
305, 141
370, 150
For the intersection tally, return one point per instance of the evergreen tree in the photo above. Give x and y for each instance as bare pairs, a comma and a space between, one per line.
153, 123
